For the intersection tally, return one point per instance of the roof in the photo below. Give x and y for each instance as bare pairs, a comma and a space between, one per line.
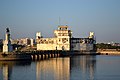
63, 26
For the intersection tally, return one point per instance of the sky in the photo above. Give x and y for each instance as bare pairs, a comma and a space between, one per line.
26, 17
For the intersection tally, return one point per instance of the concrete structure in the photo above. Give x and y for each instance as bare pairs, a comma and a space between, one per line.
108, 51
7, 47
24, 41
83, 44
38, 35
63, 36
91, 35
63, 41
32, 42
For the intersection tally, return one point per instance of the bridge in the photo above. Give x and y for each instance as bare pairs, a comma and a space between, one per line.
40, 55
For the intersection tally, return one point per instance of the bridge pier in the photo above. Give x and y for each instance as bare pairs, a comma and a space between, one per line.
35, 57
32, 57
54, 55
49, 55
40, 55
57, 55
44, 56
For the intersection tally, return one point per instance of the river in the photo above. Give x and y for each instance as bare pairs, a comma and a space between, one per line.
85, 67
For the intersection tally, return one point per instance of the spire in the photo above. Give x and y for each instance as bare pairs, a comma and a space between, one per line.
7, 30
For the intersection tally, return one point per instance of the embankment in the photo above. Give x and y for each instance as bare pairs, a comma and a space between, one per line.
108, 51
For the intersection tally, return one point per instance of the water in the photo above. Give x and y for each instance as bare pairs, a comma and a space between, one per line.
98, 67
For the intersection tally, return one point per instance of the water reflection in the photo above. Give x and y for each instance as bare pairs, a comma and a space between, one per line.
67, 68
54, 69
82, 67
6, 72
7, 66
73, 68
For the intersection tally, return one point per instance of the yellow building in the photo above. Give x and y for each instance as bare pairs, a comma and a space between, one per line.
61, 41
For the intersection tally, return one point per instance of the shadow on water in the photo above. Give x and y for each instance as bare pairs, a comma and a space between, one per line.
82, 67
7, 66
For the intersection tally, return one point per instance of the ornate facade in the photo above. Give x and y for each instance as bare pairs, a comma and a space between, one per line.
63, 41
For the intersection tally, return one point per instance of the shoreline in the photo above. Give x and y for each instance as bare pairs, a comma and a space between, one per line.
27, 56
14, 57
108, 51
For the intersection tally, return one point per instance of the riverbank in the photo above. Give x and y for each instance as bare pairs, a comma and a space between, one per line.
14, 56
28, 55
108, 51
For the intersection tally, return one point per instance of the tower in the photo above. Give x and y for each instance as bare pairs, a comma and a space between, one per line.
91, 35
63, 36
7, 47
38, 35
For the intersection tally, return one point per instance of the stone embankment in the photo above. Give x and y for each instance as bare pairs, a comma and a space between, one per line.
109, 51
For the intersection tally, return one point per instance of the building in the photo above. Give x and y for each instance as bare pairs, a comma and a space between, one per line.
38, 35
32, 42
24, 41
63, 36
91, 36
63, 41
82, 44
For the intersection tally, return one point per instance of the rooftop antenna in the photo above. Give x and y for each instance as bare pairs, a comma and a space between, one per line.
59, 21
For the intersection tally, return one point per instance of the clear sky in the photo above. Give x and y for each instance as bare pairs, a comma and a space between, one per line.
26, 17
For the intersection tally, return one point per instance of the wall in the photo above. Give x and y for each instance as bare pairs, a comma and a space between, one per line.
46, 46
86, 47
52, 44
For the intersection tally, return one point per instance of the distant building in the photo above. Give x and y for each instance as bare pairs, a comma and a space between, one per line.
115, 44
32, 42
24, 41
63, 41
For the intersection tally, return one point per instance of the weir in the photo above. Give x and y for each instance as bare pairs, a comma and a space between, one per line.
40, 55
